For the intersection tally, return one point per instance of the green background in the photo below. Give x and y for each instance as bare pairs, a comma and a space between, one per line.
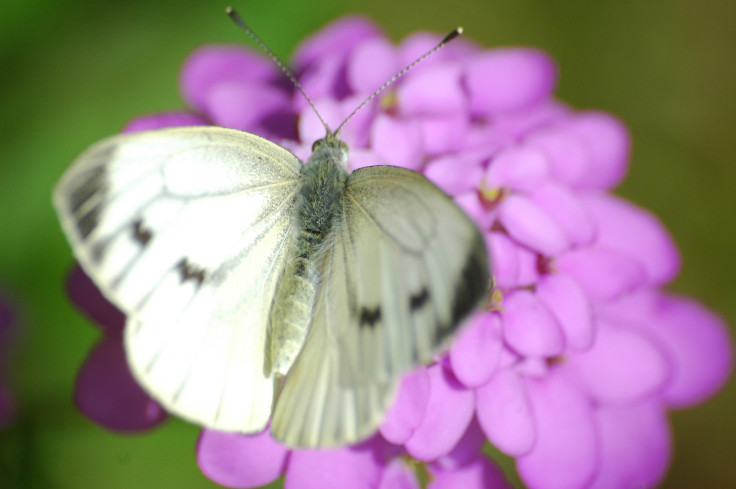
74, 72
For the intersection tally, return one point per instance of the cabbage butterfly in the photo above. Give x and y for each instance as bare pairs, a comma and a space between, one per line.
239, 267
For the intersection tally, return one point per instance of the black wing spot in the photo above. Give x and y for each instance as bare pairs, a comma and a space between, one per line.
369, 317
141, 233
190, 271
417, 301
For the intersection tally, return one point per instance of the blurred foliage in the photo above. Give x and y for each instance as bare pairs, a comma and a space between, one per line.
75, 71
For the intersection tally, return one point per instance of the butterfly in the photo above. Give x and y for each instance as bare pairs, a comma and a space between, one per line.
257, 287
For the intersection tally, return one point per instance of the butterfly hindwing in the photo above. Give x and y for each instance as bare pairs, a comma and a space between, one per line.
401, 271
187, 231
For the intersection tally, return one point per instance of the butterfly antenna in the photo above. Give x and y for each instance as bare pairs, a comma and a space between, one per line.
241, 23
449, 37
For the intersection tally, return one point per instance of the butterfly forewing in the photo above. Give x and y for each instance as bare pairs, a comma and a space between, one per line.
187, 231
404, 268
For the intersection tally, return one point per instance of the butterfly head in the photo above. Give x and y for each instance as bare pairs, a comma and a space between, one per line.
330, 148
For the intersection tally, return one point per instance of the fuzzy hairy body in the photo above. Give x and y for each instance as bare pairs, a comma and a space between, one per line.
318, 203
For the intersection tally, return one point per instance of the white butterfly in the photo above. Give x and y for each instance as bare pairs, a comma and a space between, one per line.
237, 265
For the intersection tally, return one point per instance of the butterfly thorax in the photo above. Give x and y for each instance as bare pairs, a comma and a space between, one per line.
323, 182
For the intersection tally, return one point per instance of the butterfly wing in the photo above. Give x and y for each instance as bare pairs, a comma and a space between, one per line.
404, 268
187, 231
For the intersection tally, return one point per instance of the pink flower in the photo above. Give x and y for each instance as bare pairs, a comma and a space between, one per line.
574, 364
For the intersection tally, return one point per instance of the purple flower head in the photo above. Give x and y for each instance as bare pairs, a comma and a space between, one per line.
578, 355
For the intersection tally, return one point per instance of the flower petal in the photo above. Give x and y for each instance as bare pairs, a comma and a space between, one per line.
407, 411
504, 259
476, 350
448, 414
454, 175
436, 90
372, 63
486, 140
480, 474
338, 38
107, 393
567, 210
531, 226
472, 205
700, 343
310, 126
356, 468
604, 275
505, 414
517, 168
360, 158
529, 327
695, 340
566, 454
332, 62
622, 366
399, 142
235, 460
511, 79
246, 106
518, 125
568, 156
325, 80
466, 449
569, 304
513, 265
399, 475
637, 234
209, 66
418, 43
444, 134
607, 143
84, 294
528, 267
635, 446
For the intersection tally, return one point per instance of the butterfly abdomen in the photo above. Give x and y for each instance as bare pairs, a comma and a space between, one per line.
318, 203
291, 313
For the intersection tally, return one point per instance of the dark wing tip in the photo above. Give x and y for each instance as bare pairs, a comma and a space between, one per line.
473, 282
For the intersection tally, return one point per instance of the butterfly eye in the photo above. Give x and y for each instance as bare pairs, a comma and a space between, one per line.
316, 145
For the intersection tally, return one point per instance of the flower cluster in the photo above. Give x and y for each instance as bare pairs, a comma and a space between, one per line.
579, 354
